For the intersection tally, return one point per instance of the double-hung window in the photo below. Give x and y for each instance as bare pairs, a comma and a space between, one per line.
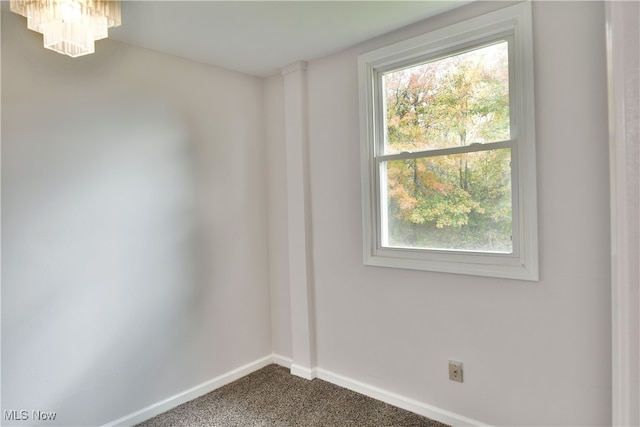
448, 149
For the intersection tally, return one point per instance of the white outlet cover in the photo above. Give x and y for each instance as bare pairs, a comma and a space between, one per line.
455, 371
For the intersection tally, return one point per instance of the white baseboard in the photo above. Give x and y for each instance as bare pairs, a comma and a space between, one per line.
283, 361
395, 399
391, 398
301, 371
192, 393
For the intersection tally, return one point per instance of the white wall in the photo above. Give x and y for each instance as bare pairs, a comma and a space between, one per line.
534, 353
134, 227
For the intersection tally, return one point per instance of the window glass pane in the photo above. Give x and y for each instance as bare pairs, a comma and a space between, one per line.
454, 101
456, 202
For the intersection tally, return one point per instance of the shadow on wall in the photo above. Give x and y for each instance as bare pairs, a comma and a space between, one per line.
102, 275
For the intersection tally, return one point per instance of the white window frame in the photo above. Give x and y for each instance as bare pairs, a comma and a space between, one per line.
512, 23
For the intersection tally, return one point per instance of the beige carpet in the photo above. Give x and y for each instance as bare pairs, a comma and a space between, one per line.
274, 397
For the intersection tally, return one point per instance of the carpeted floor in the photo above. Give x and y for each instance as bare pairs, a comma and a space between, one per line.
274, 397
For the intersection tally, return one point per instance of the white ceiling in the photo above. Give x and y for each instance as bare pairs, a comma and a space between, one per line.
260, 37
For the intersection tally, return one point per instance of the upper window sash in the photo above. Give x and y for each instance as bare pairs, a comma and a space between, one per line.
505, 37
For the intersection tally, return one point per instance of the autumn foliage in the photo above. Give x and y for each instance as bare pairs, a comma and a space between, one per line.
444, 199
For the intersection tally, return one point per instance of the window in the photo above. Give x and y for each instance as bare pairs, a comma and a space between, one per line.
448, 149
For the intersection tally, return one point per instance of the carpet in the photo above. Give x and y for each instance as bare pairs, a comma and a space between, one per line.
273, 397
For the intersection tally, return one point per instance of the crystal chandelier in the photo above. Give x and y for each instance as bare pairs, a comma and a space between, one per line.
70, 27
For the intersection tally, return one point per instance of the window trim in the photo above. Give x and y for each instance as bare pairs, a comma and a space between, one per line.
512, 23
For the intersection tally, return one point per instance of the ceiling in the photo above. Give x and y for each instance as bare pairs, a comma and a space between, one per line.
261, 37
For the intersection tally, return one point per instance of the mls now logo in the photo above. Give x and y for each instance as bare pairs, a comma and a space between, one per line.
24, 415
16, 415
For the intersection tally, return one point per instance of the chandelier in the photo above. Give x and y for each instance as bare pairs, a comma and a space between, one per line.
69, 27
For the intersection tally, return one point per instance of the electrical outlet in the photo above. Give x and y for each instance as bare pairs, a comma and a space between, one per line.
455, 371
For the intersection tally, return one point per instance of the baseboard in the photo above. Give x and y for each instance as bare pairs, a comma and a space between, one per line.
297, 370
283, 361
391, 398
192, 393
403, 402
301, 371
